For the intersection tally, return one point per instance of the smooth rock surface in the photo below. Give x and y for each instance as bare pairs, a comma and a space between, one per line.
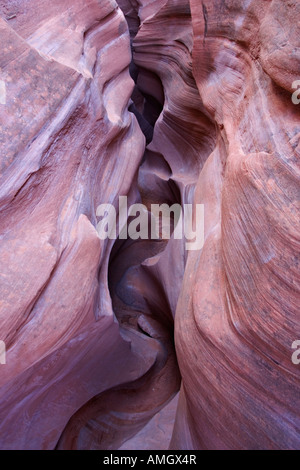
68, 143
235, 327
88, 324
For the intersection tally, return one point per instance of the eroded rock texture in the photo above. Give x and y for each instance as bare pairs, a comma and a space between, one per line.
68, 143
240, 388
88, 324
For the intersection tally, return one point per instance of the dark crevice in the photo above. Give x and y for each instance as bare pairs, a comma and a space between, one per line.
144, 105
139, 300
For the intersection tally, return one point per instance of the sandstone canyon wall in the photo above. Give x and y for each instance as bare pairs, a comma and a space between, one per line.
164, 101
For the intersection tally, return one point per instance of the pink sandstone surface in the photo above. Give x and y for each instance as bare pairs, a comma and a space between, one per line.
101, 334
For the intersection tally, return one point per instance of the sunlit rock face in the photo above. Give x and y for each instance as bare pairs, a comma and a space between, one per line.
88, 323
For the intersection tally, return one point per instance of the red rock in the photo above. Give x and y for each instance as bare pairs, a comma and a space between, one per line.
88, 324
157, 433
235, 329
68, 144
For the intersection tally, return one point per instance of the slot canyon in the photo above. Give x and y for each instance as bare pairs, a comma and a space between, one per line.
138, 344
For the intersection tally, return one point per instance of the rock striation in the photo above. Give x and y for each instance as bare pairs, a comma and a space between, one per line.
164, 101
